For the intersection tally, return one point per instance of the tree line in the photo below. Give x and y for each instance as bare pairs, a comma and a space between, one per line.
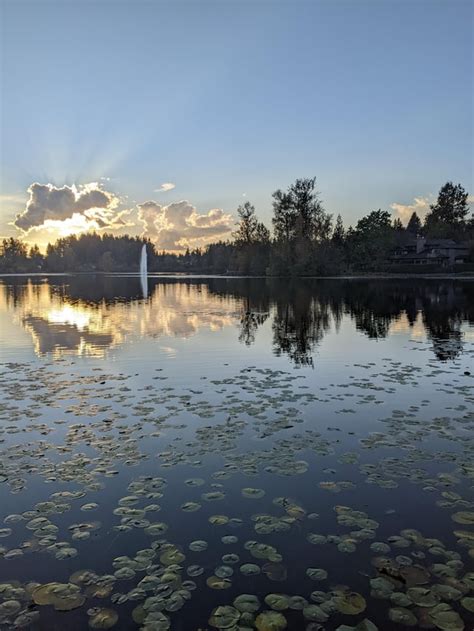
305, 241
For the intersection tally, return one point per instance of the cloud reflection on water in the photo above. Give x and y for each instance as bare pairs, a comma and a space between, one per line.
60, 325
88, 315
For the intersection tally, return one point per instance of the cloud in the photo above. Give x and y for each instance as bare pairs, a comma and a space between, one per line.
166, 186
420, 205
49, 203
179, 225
52, 212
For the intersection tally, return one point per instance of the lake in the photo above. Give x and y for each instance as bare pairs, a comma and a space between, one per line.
232, 453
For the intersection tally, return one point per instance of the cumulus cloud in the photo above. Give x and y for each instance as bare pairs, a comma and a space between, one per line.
420, 205
179, 225
51, 212
166, 186
50, 203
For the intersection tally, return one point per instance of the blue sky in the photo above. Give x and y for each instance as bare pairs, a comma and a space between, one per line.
231, 100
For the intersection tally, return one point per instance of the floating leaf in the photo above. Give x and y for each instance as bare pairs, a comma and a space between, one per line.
198, 546
224, 617
279, 602
249, 569
402, 616
270, 621
214, 582
350, 603
316, 574
422, 597
315, 613
464, 517
445, 618
172, 556
218, 520
63, 596
468, 603
190, 507
103, 618
251, 493
247, 603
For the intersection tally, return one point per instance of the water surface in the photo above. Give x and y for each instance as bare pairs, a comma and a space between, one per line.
316, 435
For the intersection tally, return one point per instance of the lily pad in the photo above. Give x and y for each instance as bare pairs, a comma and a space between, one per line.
214, 582
350, 603
247, 603
270, 621
278, 602
316, 574
468, 603
402, 616
464, 517
252, 493
63, 596
103, 619
249, 569
224, 617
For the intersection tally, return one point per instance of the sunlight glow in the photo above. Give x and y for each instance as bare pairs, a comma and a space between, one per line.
61, 327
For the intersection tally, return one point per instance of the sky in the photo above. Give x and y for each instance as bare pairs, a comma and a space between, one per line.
161, 117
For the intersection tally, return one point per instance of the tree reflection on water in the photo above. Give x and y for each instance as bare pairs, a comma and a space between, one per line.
89, 314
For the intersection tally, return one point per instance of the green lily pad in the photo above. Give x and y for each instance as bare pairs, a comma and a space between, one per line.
278, 602
214, 582
251, 493
249, 569
224, 617
270, 621
316, 574
247, 603
63, 596
350, 603
103, 618
468, 603
464, 517
402, 616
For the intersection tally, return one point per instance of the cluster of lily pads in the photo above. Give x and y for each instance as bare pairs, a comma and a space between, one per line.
70, 435
245, 612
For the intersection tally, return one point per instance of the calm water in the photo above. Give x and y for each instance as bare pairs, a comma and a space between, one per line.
307, 444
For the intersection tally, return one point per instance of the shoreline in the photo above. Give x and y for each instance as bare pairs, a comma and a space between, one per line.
187, 275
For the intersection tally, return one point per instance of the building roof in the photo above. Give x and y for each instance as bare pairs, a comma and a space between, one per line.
421, 255
444, 243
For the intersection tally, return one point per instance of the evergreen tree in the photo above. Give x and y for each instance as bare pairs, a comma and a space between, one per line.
36, 258
414, 224
397, 225
262, 233
13, 253
339, 234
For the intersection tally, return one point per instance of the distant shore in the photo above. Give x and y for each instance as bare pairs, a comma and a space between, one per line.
371, 276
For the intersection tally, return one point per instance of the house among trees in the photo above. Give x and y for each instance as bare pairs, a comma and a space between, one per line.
435, 252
